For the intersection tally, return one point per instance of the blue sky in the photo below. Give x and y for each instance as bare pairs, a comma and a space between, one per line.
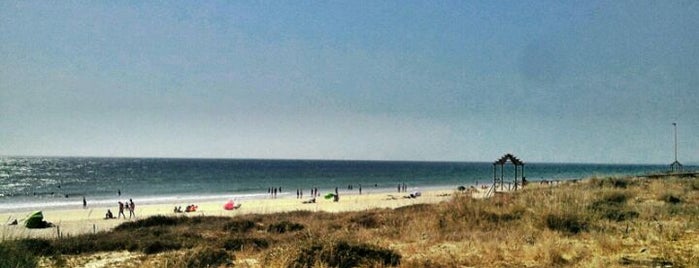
550, 81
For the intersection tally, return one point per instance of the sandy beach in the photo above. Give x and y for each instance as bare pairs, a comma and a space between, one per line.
80, 221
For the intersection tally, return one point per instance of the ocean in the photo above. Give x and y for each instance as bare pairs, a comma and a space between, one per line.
33, 183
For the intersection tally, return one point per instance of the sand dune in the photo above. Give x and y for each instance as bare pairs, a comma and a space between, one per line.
79, 220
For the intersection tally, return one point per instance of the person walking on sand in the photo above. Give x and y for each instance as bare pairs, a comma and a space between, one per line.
132, 207
121, 210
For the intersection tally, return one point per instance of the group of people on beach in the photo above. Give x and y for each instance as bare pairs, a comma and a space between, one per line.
123, 205
189, 208
299, 193
272, 191
402, 188
351, 187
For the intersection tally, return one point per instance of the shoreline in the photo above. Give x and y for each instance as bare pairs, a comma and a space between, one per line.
74, 221
59, 203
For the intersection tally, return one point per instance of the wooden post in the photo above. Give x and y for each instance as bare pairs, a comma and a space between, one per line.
495, 174
502, 176
515, 177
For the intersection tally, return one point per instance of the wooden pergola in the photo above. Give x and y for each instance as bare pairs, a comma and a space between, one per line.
499, 179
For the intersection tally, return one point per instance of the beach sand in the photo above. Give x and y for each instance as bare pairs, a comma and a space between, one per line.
80, 221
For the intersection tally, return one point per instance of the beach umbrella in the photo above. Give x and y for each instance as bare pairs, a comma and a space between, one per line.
329, 195
229, 205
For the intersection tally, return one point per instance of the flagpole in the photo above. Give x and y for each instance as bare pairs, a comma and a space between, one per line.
675, 126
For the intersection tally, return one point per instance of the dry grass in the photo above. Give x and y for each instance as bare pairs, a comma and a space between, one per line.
599, 222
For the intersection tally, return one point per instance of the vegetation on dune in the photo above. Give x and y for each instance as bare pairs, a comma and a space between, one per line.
16, 254
344, 254
597, 222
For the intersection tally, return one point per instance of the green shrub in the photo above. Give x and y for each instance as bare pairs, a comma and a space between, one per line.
618, 197
694, 185
414, 208
307, 257
612, 206
95, 242
36, 246
284, 226
157, 220
670, 198
157, 246
505, 216
207, 257
366, 220
613, 182
344, 254
619, 214
239, 226
240, 243
76, 246
13, 255
298, 214
567, 223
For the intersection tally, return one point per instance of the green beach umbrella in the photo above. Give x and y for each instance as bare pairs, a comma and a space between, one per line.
35, 220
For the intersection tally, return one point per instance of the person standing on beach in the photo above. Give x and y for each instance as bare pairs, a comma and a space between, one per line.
132, 207
84, 202
360, 189
121, 210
